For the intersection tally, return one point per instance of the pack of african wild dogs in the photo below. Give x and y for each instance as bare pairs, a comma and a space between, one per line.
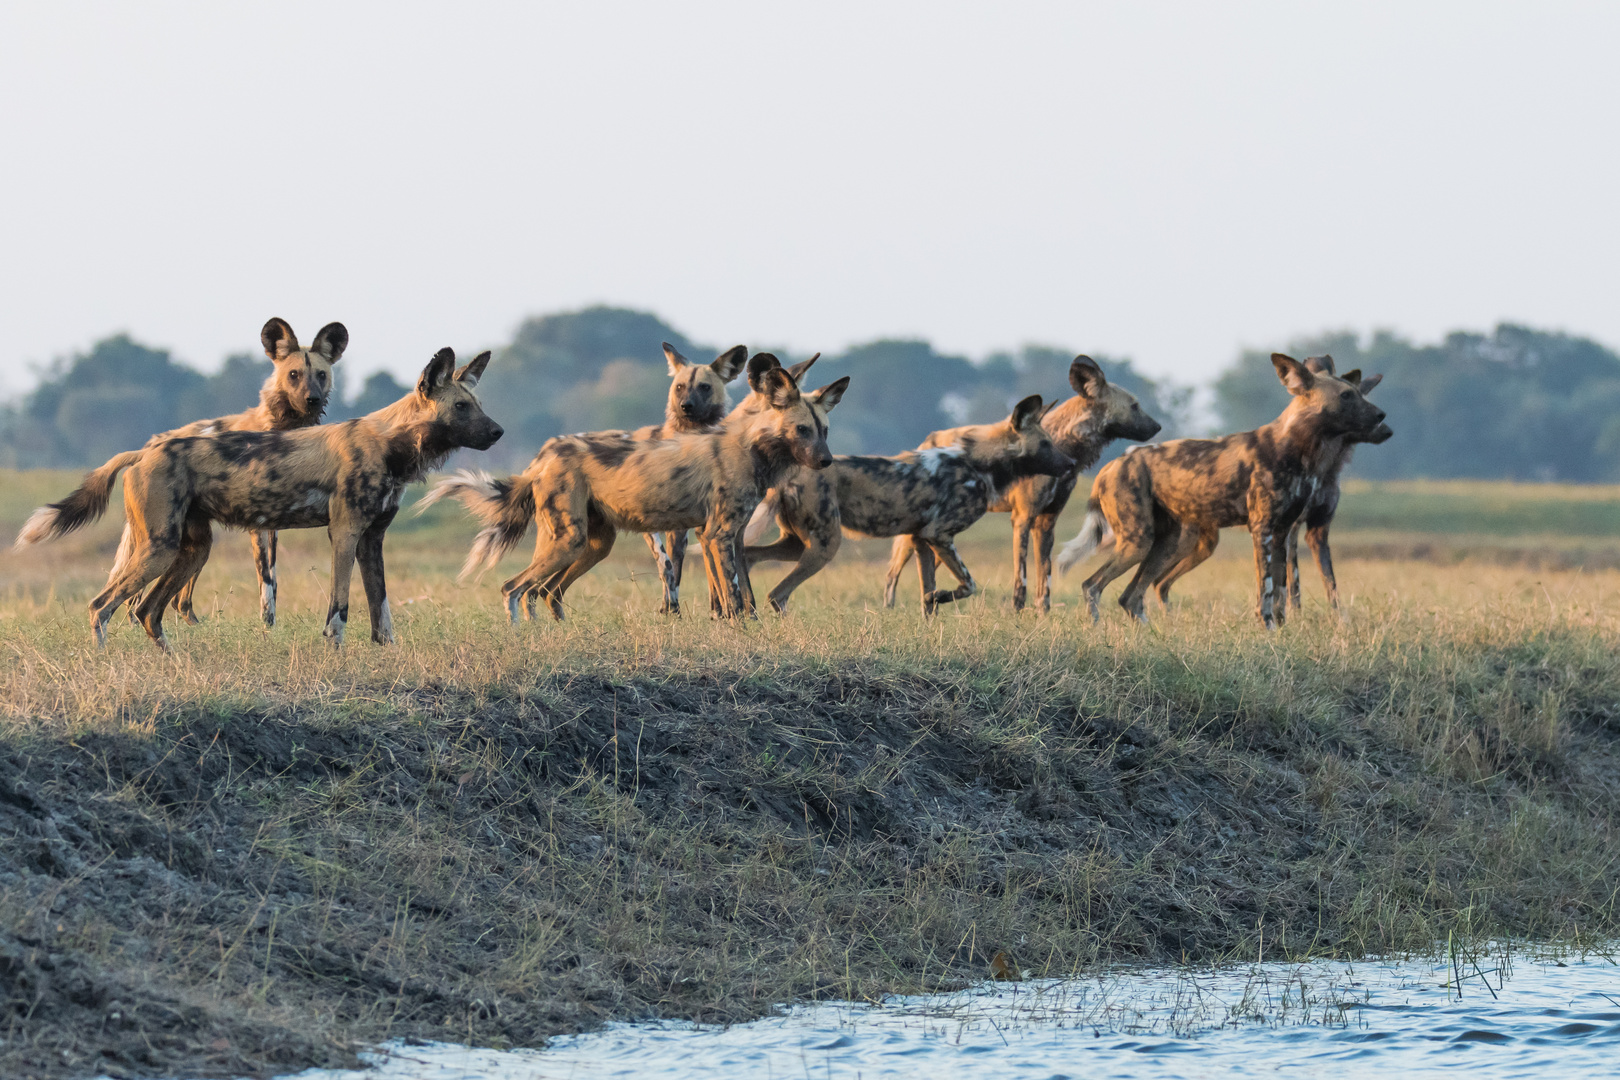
727, 473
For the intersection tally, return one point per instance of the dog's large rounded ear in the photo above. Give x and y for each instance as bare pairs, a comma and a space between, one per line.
673, 357
1370, 381
1353, 377
798, 370
278, 339
437, 373
729, 364
331, 341
758, 366
1320, 365
469, 375
1087, 377
779, 388
1295, 376
1027, 413
832, 393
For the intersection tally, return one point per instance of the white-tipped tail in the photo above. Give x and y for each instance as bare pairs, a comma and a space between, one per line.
764, 514
41, 525
462, 482
504, 506
1085, 542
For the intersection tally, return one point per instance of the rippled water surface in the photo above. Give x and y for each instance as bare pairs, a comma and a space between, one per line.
1507, 1017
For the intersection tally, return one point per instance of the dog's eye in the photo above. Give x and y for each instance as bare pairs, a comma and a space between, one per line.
1346, 395
804, 432
461, 406
321, 375
292, 376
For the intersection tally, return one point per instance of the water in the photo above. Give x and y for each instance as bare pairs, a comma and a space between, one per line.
1508, 1017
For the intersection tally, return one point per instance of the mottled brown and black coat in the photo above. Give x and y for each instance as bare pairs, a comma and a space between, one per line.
580, 490
1081, 427
929, 495
348, 477
1155, 496
1317, 518
697, 403
294, 396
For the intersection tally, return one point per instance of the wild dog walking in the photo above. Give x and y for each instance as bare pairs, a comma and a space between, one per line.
698, 402
1263, 479
580, 490
348, 477
1317, 517
1081, 427
929, 495
294, 396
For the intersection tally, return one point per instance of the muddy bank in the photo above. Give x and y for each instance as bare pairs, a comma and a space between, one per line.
255, 892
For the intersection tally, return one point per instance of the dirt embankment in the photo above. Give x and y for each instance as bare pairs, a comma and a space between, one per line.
254, 894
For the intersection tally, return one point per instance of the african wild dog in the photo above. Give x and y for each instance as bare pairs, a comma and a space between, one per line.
929, 495
348, 477
697, 403
581, 489
1081, 427
1317, 517
1261, 478
294, 396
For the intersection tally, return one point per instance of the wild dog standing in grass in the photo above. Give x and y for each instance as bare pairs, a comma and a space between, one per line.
581, 489
1314, 519
929, 495
1317, 517
697, 403
1081, 427
1264, 478
348, 477
294, 396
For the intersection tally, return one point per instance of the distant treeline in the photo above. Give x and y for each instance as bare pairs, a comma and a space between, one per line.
1518, 403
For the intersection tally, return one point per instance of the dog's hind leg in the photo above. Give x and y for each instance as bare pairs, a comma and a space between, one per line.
947, 553
900, 553
818, 548
197, 538
926, 563
1159, 557
1043, 531
1202, 546
599, 537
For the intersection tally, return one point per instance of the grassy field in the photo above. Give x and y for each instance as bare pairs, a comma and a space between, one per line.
248, 855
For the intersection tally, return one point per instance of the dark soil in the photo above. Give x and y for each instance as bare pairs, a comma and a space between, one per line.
257, 894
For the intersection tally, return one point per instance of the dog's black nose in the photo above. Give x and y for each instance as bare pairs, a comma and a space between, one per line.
313, 400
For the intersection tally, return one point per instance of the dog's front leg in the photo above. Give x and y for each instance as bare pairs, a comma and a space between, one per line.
345, 541
899, 554
369, 553
721, 536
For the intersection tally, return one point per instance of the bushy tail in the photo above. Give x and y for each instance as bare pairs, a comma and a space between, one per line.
79, 509
764, 514
504, 506
1086, 541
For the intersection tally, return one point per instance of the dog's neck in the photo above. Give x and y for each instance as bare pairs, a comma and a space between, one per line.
1076, 427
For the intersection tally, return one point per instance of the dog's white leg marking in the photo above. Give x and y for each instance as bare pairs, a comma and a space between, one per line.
334, 627
385, 625
267, 598
514, 604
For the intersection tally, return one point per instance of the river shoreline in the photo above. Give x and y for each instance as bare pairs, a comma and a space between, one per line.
259, 890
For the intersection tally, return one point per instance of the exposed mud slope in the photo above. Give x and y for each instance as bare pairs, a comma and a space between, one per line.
253, 894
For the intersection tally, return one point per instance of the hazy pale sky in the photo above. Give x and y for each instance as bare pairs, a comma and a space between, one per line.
1164, 181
